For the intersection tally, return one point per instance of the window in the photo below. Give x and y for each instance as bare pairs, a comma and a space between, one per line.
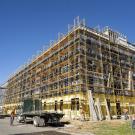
56, 106
75, 104
61, 105
44, 105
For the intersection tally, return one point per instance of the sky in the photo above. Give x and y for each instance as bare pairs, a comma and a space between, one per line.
28, 25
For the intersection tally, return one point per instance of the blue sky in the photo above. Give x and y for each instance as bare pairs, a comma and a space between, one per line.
27, 25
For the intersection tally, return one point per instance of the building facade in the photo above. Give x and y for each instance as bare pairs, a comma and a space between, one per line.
2, 95
85, 72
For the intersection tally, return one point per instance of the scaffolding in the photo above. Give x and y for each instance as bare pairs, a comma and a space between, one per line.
87, 74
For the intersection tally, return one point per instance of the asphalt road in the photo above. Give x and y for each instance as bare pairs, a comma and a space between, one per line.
26, 129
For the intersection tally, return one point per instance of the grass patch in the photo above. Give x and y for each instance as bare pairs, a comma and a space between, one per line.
113, 127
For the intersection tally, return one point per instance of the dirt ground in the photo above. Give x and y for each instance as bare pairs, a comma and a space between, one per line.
73, 127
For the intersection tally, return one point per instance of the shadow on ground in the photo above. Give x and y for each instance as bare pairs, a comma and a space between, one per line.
43, 133
61, 124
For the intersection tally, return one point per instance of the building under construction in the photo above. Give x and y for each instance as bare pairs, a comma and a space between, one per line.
87, 73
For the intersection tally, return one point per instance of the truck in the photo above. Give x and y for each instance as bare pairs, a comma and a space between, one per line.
32, 111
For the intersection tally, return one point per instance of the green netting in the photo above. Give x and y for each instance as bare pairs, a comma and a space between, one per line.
28, 105
37, 105
32, 105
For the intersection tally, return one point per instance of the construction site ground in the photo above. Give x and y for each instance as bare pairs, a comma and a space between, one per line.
108, 127
74, 127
